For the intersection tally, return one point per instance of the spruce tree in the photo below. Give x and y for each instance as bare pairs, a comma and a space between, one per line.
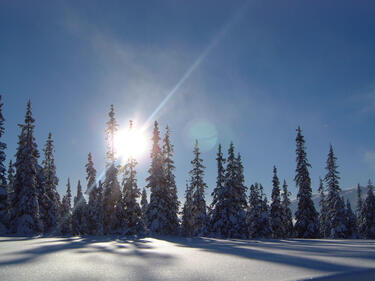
218, 222
307, 225
323, 222
359, 203
79, 214
264, 227
351, 222
287, 218
367, 223
110, 132
144, 206
173, 203
66, 212
198, 187
157, 213
50, 183
276, 214
4, 216
257, 216
10, 178
187, 215
25, 217
335, 205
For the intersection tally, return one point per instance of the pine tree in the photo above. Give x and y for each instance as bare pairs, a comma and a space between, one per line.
4, 217
359, 203
79, 214
276, 214
218, 224
287, 219
258, 213
173, 203
264, 227
10, 186
144, 206
323, 222
110, 132
133, 214
187, 215
198, 187
351, 222
157, 213
335, 204
95, 204
66, 212
51, 182
307, 225
25, 218
367, 223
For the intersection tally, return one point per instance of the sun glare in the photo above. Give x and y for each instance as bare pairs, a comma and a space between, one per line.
130, 143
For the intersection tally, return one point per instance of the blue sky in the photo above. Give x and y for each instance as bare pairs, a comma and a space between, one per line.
261, 68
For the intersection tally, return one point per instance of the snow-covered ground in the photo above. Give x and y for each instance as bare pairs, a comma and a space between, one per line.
108, 258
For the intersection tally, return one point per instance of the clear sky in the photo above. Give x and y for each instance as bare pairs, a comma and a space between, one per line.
250, 72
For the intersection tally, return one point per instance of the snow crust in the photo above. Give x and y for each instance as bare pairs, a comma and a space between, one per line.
176, 258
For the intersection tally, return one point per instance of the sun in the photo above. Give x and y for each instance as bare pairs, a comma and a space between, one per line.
130, 143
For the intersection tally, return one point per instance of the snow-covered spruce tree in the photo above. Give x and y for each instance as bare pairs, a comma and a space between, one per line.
50, 183
4, 215
367, 223
335, 205
351, 222
173, 203
144, 206
264, 227
276, 213
133, 214
218, 225
65, 224
10, 178
359, 203
95, 204
323, 222
287, 218
79, 214
187, 215
198, 187
25, 217
258, 219
111, 186
157, 213
307, 224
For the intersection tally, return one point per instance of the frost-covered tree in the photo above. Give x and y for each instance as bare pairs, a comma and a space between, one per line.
258, 217
367, 223
65, 224
287, 218
334, 203
351, 222
187, 215
10, 177
25, 217
110, 132
198, 187
50, 183
307, 224
173, 203
359, 203
323, 223
95, 204
79, 214
4, 216
157, 213
276, 213
218, 224
265, 227
144, 205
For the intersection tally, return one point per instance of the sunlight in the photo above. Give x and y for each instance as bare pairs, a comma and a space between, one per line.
130, 143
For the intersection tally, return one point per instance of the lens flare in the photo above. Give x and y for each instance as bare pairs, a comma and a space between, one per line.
130, 143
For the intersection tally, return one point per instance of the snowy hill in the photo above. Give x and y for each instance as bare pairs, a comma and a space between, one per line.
350, 193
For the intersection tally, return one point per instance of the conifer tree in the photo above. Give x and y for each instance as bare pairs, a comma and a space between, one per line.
50, 183
258, 219
287, 218
144, 205
198, 187
25, 218
351, 222
66, 212
79, 214
110, 132
4, 217
276, 221
173, 203
264, 227
157, 213
323, 222
335, 205
367, 223
187, 215
133, 214
307, 225
359, 203
218, 224
10, 186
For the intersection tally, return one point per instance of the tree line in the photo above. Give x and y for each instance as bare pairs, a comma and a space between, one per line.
30, 203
